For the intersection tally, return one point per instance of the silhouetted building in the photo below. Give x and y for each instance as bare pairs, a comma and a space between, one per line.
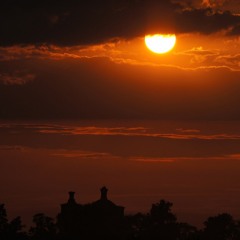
101, 218
70, 217
105, 209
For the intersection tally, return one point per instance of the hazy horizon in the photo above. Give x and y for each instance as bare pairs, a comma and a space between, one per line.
195, 165
85, 103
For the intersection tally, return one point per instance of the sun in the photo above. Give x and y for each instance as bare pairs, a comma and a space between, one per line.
160, 43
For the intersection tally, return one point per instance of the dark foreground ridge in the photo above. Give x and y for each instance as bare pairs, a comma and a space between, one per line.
104, 220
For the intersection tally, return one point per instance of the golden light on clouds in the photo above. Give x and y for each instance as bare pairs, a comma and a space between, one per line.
160, 43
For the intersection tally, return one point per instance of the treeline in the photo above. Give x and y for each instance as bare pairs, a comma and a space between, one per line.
160, 223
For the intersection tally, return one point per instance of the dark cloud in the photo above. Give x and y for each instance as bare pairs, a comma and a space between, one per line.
205, 20
16, 78
98, 88
86, 22
235, 31
70, 22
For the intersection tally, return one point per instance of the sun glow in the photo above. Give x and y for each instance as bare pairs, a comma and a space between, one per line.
160, 43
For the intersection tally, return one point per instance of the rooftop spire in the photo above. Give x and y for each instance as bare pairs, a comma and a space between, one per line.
71, 197
104, 191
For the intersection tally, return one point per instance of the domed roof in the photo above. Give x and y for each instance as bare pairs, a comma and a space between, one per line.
103, 201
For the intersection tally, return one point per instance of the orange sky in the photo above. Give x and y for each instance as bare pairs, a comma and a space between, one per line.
71, 72
200, 70
193, 164
83, 103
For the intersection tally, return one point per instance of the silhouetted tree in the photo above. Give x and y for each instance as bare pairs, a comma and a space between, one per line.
161, 223
187, 232
161, 213
12, 230
15, 229
221, 227
3, 222
3, 217
237, 230
44, 229
138, 225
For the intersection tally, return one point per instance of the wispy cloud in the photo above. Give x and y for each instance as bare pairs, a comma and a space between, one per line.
16, 78
188, 130
186, 134
153, 160
230, 60
59, 153
141, 131
97, 155
130, 52
193, 158
82, 154
138, 131
56, 52
179, 133
201, 51
18, 148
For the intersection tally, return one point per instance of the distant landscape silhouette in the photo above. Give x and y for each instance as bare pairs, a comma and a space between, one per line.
103, 219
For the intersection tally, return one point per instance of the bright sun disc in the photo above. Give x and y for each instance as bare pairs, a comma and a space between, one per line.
160, 43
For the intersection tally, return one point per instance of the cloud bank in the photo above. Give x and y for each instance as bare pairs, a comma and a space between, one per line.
88, 22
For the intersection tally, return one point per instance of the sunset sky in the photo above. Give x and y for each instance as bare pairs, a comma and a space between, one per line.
84, 102
91, 56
